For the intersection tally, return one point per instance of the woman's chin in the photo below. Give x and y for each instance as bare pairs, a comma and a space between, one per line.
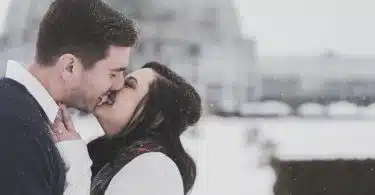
100, 110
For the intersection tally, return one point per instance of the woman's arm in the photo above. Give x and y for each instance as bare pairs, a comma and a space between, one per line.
148, 174
74, 152
78, 163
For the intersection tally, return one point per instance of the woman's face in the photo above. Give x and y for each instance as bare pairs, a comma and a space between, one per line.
114, 117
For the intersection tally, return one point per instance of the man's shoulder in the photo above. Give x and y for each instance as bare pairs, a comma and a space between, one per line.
10, 87
15, 100
19, 113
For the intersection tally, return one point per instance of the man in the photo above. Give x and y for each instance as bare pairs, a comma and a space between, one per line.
82, 49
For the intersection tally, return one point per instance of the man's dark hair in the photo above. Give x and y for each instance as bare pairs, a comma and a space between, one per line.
84, 28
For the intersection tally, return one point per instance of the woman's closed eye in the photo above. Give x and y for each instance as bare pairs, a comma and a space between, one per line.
131, 82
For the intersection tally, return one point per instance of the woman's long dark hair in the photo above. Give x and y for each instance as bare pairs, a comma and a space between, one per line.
167, 110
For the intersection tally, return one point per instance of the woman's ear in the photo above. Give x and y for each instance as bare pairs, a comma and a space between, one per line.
158, 120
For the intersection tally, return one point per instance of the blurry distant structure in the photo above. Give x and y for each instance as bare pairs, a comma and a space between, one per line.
200, 40
321, 79
21, 25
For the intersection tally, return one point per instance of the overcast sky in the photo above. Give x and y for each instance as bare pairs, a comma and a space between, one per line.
302, 27
309, 27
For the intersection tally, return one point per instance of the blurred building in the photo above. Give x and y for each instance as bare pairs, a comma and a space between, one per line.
200, 40
319, 78
20, 29
22, 21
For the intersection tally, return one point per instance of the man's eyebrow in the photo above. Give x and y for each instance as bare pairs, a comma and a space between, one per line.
122, 69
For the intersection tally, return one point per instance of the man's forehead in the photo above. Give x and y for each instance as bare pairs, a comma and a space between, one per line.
118, 58
118, 53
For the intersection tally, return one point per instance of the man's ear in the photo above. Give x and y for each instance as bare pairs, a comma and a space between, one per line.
69, 67
67, 63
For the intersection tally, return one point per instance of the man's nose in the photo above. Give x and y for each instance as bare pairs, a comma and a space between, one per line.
118, 83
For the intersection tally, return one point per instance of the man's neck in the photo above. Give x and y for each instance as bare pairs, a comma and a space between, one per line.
44, 76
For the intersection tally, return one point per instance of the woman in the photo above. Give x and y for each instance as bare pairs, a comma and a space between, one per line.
141, 152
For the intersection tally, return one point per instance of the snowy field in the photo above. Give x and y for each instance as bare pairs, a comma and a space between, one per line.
228, 165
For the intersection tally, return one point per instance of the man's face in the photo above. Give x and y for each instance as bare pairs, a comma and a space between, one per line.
105, 76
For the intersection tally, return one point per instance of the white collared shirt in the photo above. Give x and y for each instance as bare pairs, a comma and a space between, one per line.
80, 172
87, 126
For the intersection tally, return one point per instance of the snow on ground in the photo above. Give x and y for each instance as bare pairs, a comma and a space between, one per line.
228, 157
226, 165
323, 139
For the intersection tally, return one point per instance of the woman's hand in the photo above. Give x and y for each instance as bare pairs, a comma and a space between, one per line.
63, 128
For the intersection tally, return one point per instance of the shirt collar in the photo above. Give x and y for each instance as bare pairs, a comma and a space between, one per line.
87, 126
17, 72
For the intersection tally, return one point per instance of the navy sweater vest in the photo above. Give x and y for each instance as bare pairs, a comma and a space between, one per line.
30, 163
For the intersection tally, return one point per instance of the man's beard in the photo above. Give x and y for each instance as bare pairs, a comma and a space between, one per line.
78, 100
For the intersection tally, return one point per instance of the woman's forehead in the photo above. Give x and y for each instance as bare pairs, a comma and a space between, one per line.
144, 74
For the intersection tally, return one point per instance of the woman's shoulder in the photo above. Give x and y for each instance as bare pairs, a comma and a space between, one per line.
157, 158
155, 169
152, 162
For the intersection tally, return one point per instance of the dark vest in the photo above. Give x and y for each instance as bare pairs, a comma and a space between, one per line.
31, 163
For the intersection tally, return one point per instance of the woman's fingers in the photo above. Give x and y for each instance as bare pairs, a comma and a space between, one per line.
55, 137
66, 118
63, 129
58, 125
